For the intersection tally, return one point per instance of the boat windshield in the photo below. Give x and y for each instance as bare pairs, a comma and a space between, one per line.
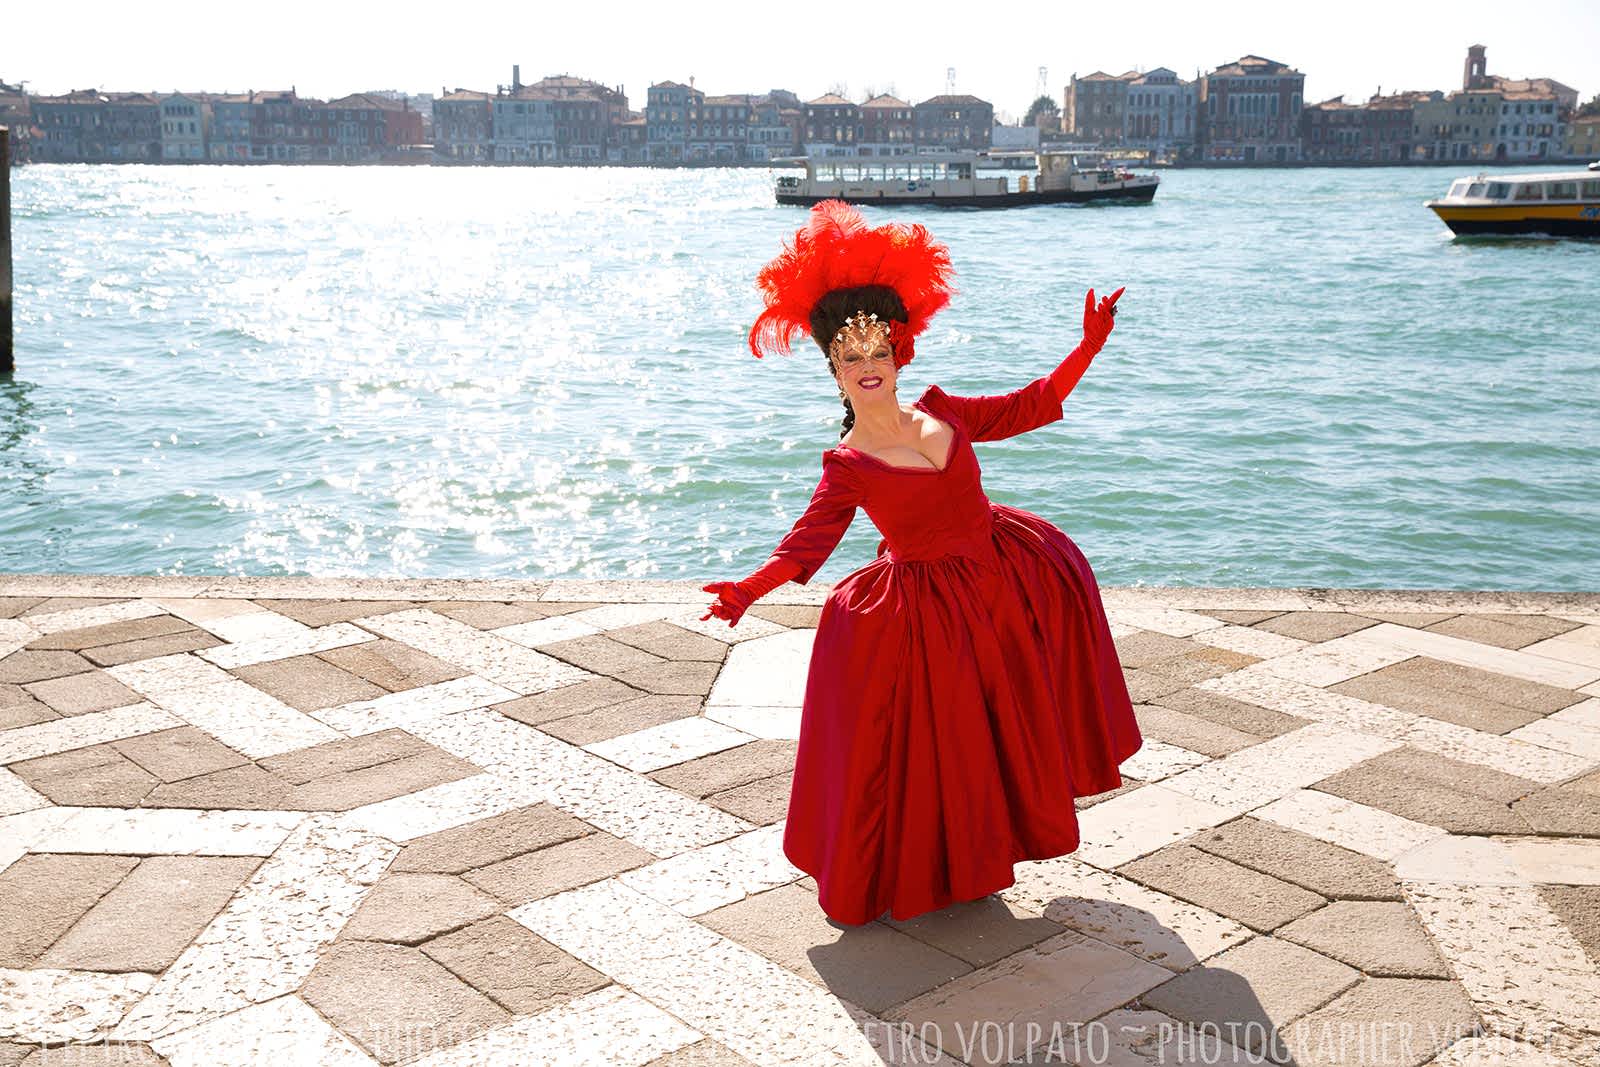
1458, 189
910, 170
1499, 190
1476, 189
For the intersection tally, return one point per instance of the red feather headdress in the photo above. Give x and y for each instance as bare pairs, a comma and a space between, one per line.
837, 250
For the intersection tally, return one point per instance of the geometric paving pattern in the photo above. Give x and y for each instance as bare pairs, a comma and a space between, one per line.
300, 821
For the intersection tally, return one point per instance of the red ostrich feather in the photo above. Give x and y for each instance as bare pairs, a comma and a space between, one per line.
836, 249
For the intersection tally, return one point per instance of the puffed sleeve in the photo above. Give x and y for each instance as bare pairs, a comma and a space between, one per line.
994, 418
818, 531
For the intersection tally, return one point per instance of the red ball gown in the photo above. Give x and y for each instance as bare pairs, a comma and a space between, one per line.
963, 686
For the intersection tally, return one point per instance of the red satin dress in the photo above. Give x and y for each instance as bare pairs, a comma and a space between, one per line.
963, 686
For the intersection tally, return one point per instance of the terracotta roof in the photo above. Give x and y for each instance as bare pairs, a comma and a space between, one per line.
1248, 65
954, 98
885, 100
829, 99
466, 94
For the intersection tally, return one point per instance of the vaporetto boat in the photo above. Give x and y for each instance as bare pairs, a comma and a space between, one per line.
962, 179
1562, 203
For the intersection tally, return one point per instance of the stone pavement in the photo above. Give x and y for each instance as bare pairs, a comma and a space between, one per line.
299, 821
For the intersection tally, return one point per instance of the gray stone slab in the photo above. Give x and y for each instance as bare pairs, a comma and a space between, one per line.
243, 788
1145, 685
1560, 810
42, 895
614, 720
489, 614
1424, 766
80, 694
1253, 989
978, 932
1145, 648
731, 767
368, 785
1383, 1022
489, 841
179, 753
670, 642
23, 710
309, 683
673, 678
151, 647
1314, 625
395, 1002
1578, 908
151, 915
871, 965
344, 755
12, 606
1243, 894
100, 1054
1423, 801
1377, 937
392, 664
96, 776
794, 616
567, 700
1323, 868
318, 612
761, 802
601, 655
1501, 630
1158, 722
410, 908
1234, 714
1415, 619
27, 665
513, 966
112, 633
1241, 617
560, 867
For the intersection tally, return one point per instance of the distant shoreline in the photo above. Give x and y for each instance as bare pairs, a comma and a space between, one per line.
1462, 164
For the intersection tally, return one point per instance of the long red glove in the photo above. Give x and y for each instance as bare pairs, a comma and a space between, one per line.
1097, 325
734, 597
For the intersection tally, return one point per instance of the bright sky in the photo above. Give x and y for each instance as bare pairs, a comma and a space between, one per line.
730, 46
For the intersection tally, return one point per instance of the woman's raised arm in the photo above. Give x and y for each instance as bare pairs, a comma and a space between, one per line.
1098, 321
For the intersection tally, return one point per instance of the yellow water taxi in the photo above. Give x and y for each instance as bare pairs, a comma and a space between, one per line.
1563, 203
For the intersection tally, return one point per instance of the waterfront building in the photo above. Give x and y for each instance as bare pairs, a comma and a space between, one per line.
524, 125
1583, 138
1249, 112
463, 126
287, 128
1096, 107
588, 116
1494, 118
631, 141
230, 129
957, 121
72, 127
364, 128
832, 126
1159, 112
1382, 130
666, 114
719, 128
16, 114
773, 118
133, 128
888, 126
185, 127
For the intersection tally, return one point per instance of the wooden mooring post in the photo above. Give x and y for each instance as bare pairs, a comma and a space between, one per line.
6, 361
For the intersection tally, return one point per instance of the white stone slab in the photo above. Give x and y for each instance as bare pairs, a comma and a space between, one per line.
766, 672
749, 627
1138, 822
77, 618
442, 807
1142, 1037
694, 882
1261, 773
1569, 649
1106, 906
1510, 755
488, 655
17, 796
299, 643
546, 631
1519, 963
1497, 1050
14, 633
168, 832
1358, 827
285, 1031
246, 719
205, 610
406, 707
1250, 641
743, 1000
1156, 760
669, 743
1555, 860
21, 832
1584, 713
1337, 660
779, 724
617, 616
1461, 859
256, 628
46, 1005
1517, 664
1561, 736
80, 731
658, 819
610, 1027
268, 938
162, 676
1170, 621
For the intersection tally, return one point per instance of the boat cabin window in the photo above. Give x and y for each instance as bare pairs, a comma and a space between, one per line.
1459, 189
1530, 191
1499, 190
1562, 191
1475, 189
1591, 190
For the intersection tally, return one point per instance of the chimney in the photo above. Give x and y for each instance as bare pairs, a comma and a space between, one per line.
516, 76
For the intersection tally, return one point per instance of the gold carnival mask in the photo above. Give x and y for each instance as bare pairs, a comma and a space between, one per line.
863, 337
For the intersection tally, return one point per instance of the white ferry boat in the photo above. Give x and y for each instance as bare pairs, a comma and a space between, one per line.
1562, 203
963, 179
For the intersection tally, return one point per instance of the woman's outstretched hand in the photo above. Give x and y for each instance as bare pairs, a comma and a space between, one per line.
730, 604
1099, 319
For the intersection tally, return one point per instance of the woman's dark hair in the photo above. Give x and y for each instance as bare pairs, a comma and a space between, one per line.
835, 307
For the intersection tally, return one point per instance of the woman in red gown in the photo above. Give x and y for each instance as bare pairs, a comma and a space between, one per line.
963, 686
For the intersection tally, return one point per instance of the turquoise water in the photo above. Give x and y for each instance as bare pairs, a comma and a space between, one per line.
542, 373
